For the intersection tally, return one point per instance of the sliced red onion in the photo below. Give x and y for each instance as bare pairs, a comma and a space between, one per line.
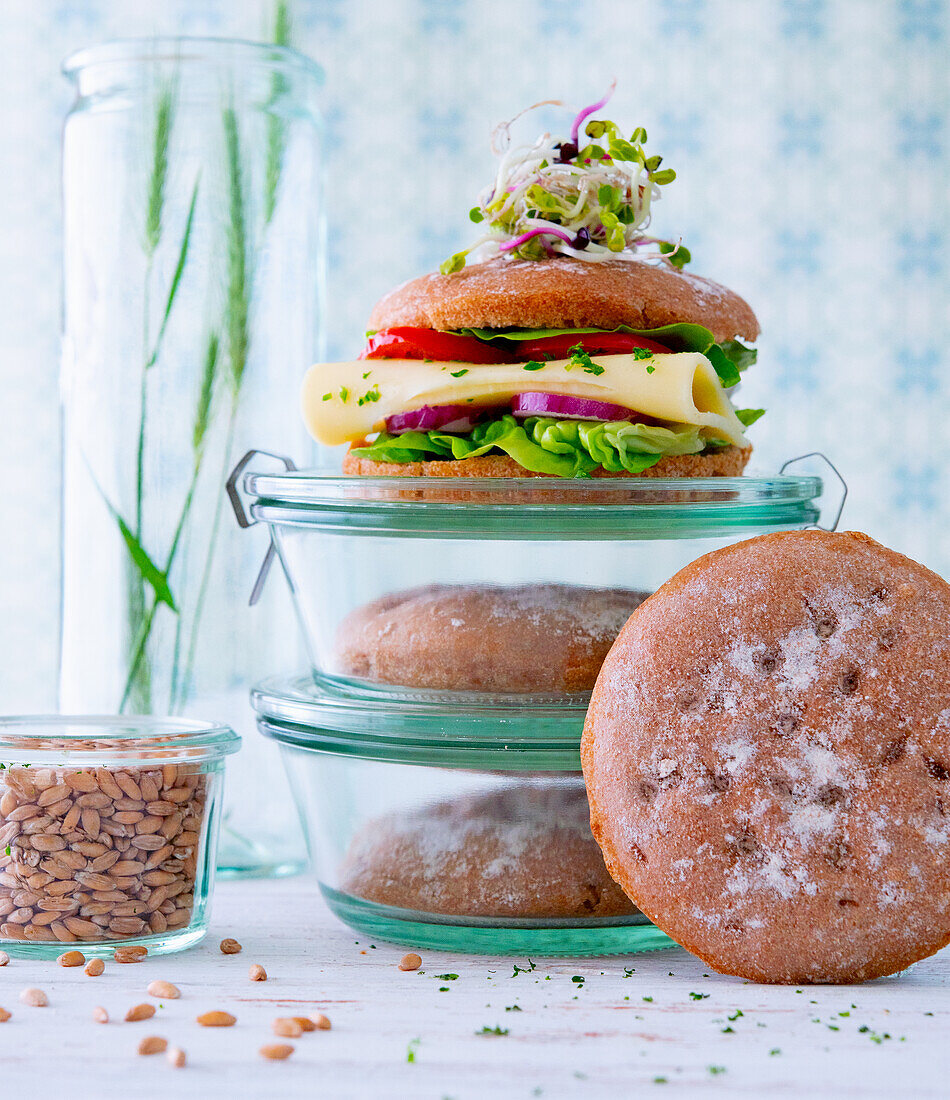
567, 408
450, 418
461, 426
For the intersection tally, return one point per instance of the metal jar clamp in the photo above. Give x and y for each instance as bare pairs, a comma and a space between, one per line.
834, 469
244, 520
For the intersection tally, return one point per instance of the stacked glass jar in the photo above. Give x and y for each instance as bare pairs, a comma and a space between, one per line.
454, 628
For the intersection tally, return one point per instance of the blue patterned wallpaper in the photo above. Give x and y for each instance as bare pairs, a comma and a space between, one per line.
811, 141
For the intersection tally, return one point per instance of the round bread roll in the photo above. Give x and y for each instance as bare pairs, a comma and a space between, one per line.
525, 851
767, 753
520, 639
566, 293
725, 462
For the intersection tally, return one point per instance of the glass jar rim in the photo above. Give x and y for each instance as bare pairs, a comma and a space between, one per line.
507, 756
329, 718
533, 507
188, 48
56, 739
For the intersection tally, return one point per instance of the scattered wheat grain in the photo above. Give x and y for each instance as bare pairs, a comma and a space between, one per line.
276, 1052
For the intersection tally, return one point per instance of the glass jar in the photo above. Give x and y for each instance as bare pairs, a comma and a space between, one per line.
447, 827
444, 588
194, 255
108, 832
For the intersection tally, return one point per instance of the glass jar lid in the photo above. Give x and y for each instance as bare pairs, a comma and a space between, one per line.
93, 741
488, 735
533, 508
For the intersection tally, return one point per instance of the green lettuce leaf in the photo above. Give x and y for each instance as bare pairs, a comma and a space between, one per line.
679, 337
727, 370
741, 355
727, 359
566, 448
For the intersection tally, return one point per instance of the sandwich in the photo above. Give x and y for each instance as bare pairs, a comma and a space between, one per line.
565, 342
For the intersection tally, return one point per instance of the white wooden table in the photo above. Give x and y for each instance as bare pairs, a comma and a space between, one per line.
641, 1025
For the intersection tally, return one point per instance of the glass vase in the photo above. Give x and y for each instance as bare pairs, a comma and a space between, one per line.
194, 252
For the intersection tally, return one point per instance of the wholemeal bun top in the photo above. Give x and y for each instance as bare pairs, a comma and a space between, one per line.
565, 293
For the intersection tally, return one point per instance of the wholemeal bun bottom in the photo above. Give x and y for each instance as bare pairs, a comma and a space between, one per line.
723, 462
520, 639
523, 851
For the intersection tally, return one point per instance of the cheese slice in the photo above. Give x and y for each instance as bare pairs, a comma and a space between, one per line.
343, 402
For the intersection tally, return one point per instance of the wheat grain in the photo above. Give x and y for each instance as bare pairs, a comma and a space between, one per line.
276, 1052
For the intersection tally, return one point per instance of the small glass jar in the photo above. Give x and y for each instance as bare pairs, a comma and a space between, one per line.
454, 828
108, 832
446, 577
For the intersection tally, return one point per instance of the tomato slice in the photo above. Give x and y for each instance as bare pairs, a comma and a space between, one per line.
594, 343
407, 342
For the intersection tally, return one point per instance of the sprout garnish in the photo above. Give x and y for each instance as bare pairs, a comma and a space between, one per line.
591, 202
